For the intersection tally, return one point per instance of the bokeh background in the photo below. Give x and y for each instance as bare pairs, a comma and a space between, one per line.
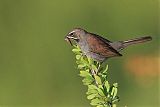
37, 67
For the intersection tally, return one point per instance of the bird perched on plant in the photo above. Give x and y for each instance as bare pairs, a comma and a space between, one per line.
99, 48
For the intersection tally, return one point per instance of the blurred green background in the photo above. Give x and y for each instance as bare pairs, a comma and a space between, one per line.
37, 67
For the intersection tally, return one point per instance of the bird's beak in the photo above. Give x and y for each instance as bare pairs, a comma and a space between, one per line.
71, 37
68, 38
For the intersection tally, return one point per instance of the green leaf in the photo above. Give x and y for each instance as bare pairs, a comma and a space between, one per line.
94, 68
114, 105
100, 92
91, 96
100, 106
104, 76
106, 84
100, 86
84, 61
106, 69
90, 60
91, 91
84, 73
98, 79
96, 101
87, 81
115, 92
115, 85
78, 57
81, 66
92, 87
76, 51
90, 78
116, 99
112, 92
78, 47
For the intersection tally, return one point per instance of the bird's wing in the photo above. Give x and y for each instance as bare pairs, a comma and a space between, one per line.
101, 47
103, 39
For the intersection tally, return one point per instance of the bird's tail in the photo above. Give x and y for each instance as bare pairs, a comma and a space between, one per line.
136, 41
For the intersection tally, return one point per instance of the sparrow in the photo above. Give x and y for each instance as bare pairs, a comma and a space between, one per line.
99, 48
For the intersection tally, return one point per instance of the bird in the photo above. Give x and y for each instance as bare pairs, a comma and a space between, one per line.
99, 48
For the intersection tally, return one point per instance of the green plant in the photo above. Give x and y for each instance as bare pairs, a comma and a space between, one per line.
100, 92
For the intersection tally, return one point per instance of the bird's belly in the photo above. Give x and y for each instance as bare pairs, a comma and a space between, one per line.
86, 51
92, 55
96, 56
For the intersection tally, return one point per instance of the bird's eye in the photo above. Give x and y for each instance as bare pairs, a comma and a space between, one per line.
71, 34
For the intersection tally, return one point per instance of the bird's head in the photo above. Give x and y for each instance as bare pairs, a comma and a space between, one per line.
76, 34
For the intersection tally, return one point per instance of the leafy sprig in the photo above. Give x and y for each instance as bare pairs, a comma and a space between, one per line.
100, 91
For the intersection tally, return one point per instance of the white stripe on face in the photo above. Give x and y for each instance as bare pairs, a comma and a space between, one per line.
71, 37
72, 32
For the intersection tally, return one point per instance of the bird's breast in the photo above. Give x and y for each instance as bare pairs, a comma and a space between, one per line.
84, 47
87, 51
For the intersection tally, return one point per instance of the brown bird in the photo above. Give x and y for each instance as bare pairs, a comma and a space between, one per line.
99, 48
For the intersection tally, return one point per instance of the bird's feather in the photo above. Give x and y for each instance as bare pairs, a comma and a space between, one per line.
101, 38
101, 46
